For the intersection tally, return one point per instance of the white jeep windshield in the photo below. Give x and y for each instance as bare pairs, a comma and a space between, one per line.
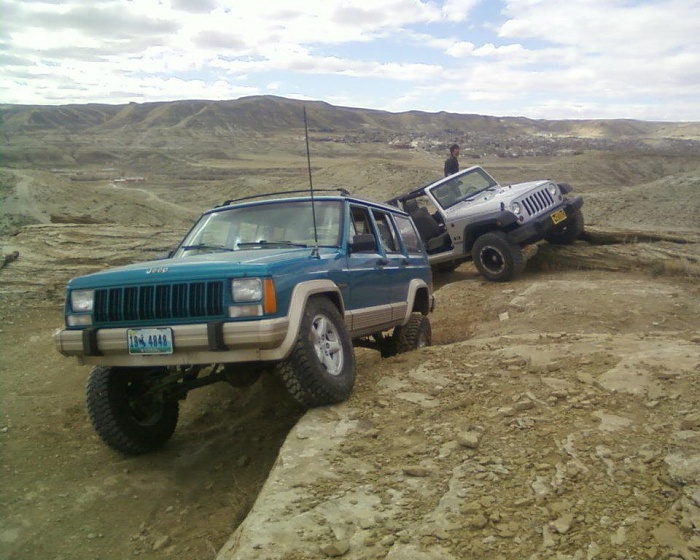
463, 186
268, 225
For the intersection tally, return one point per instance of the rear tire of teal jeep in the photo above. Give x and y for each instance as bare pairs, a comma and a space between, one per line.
321, 368
417, 333
124, 415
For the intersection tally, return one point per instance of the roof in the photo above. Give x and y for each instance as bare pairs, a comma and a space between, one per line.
284, 196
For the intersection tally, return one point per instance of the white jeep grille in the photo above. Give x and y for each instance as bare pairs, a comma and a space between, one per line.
537, 202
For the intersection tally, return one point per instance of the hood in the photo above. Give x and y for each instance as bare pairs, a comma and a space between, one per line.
252, 262
497, 194
509, 192
521, 188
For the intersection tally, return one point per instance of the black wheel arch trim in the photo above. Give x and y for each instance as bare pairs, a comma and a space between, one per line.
502, 220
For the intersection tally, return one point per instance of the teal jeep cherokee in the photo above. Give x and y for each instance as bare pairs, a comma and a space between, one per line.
286, 285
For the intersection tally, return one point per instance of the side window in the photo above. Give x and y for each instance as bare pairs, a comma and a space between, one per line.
408, 234
359, 221
386, 231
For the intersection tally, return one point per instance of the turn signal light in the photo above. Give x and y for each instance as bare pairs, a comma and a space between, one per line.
269, 297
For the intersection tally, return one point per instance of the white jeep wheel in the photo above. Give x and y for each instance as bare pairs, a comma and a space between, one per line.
496, 258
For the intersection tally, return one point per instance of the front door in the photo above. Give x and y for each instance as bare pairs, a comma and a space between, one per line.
371, 291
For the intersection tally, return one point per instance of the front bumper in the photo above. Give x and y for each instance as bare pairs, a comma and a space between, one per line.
201, 343
536, 229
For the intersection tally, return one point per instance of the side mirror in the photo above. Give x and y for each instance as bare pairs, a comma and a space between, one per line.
363, 243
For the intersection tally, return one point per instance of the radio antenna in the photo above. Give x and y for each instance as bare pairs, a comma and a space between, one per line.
311, 185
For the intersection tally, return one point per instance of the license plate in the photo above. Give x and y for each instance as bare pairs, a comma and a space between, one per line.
558, 216
150, 341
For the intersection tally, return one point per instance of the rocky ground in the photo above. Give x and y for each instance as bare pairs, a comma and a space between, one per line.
565, 426
555, 416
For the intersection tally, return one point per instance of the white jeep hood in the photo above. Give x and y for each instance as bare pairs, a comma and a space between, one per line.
494, 197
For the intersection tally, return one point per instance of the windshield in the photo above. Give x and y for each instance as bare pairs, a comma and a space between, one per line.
278, 224
463, 186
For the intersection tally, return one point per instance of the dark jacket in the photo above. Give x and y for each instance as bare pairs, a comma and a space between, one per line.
451, 165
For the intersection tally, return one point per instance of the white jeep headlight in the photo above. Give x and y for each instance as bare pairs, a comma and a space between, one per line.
82, 301
553, 189
247, 289
515, 208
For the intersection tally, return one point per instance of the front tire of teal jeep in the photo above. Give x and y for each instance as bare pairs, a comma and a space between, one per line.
321, 367
124, 414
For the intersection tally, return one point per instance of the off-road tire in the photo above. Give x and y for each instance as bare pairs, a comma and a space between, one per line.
496, 258
321, 367
417, 333
125, 422
568, 231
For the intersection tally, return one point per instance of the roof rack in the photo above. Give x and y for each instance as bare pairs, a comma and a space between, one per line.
342, 192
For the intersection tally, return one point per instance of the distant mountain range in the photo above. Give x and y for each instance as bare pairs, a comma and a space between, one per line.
174, 135
270, 114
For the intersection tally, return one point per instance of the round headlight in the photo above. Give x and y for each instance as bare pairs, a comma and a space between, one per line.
515, 208
553, 189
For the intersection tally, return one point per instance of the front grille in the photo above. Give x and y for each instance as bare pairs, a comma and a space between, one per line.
537, 202
160, 301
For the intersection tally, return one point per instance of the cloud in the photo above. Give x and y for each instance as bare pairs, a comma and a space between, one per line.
458, 10
353, 15
634, 57
195, 6
460, 49
7, 59
606, 26
220, 40
489, 49
105, 20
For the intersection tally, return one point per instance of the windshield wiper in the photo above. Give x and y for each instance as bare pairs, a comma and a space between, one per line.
264, 243
204, 246
471, 196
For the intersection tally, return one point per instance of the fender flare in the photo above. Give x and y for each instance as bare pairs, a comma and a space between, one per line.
493, 220
426, 307
297, 304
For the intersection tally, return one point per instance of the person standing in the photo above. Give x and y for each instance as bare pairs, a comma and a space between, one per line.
451, 163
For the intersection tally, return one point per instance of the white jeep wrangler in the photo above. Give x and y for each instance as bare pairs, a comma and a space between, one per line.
469, 215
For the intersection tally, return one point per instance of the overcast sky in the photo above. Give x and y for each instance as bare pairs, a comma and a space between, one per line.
550, 59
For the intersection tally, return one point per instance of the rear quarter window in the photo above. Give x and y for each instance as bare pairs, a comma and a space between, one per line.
386, 231
408, 234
